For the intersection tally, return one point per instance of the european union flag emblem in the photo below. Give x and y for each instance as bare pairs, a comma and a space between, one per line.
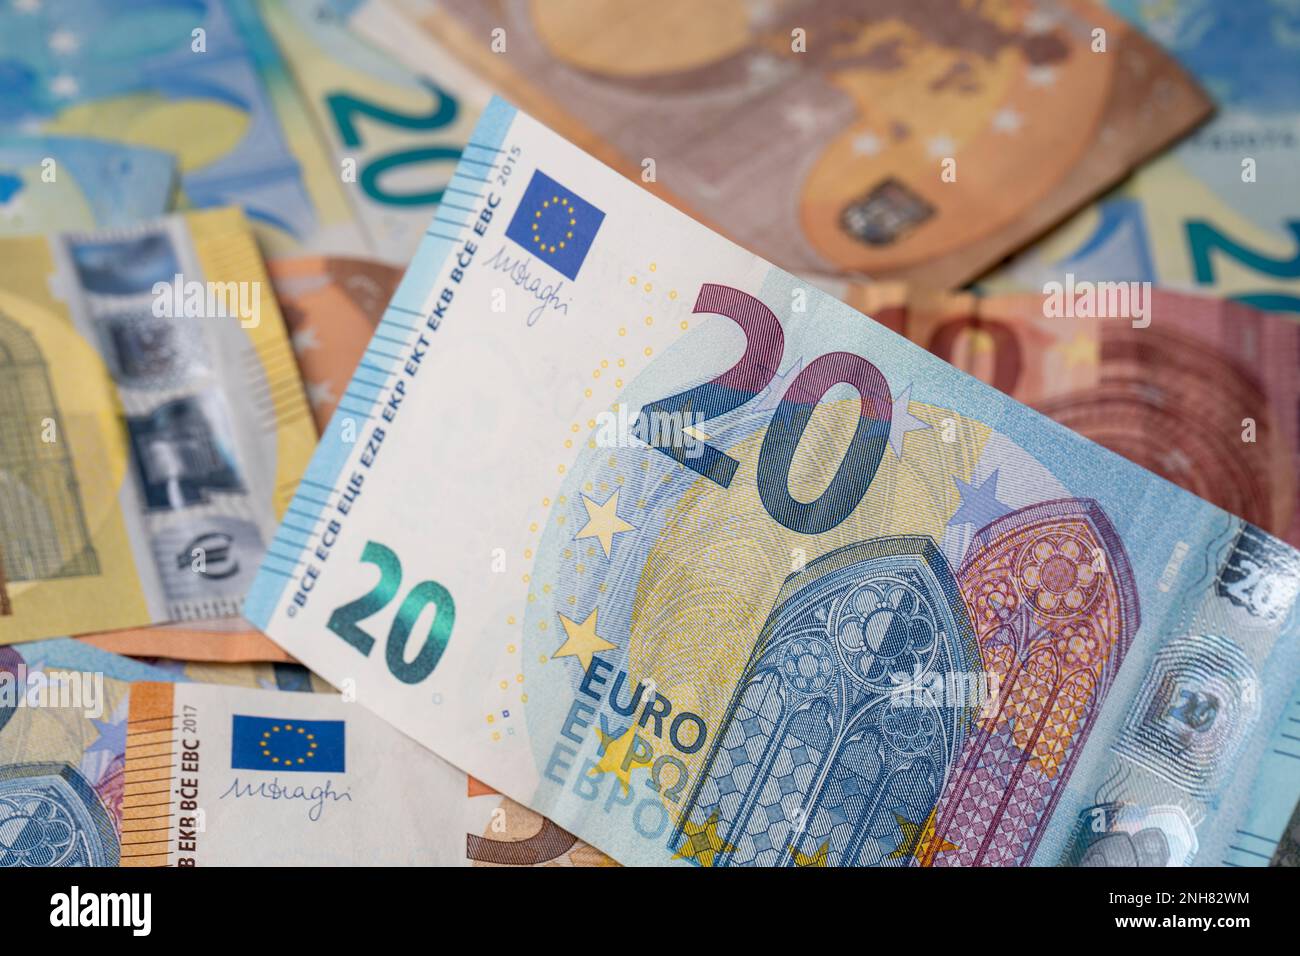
268, 743
555, 224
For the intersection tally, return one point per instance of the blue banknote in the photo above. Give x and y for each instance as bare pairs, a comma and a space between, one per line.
54, 183
1219, 213
203, 82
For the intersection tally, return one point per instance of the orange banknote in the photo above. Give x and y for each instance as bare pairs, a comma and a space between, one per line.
513, 835
901, 139
331, 305
221, 641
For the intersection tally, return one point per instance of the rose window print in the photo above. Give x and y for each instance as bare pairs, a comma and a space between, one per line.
907, 728
34, 831
807, 665
1057, 576
1078, 646
886, 634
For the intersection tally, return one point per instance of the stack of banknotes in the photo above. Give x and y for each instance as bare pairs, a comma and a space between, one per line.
861, 433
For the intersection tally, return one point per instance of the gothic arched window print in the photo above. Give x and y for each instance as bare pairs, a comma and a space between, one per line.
837, 743
1052, 599
42, 523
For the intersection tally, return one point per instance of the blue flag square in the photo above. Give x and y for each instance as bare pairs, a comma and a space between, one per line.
269, 743
555, 224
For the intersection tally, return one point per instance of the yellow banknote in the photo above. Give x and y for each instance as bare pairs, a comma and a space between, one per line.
152, 424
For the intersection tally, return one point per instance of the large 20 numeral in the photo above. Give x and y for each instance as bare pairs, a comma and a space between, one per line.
342, 106
345, 621
764, 346
1204, 239
858, 467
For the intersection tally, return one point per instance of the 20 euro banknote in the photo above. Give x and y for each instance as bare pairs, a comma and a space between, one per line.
708, 568
97, 768
238, 776
394, 130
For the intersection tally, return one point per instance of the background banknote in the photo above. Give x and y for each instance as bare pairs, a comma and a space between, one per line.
63, 740
331, 306
504, 833
219, 640
306, 780
832, 158
205, 84
56, 183
145, 458
62, 770
398, 130
261, 674
68, 654
857, 607
1221, 212
74, 765
1137, 386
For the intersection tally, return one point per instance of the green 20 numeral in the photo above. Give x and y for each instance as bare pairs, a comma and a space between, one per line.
346, 108
1203, 240
345, 621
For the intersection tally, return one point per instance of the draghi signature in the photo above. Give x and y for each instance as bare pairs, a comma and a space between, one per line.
315, 797
518, 268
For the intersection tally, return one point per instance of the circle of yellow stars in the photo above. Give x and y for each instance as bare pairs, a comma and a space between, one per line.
567, 207
267, 738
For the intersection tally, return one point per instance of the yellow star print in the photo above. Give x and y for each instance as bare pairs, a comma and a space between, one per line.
1083, 349
582, 641
919, 841
603, 522
697, 433
702, 842
820, 858
619, 757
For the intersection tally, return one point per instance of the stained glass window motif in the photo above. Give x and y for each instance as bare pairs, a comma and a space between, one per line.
42, 522
840, 736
